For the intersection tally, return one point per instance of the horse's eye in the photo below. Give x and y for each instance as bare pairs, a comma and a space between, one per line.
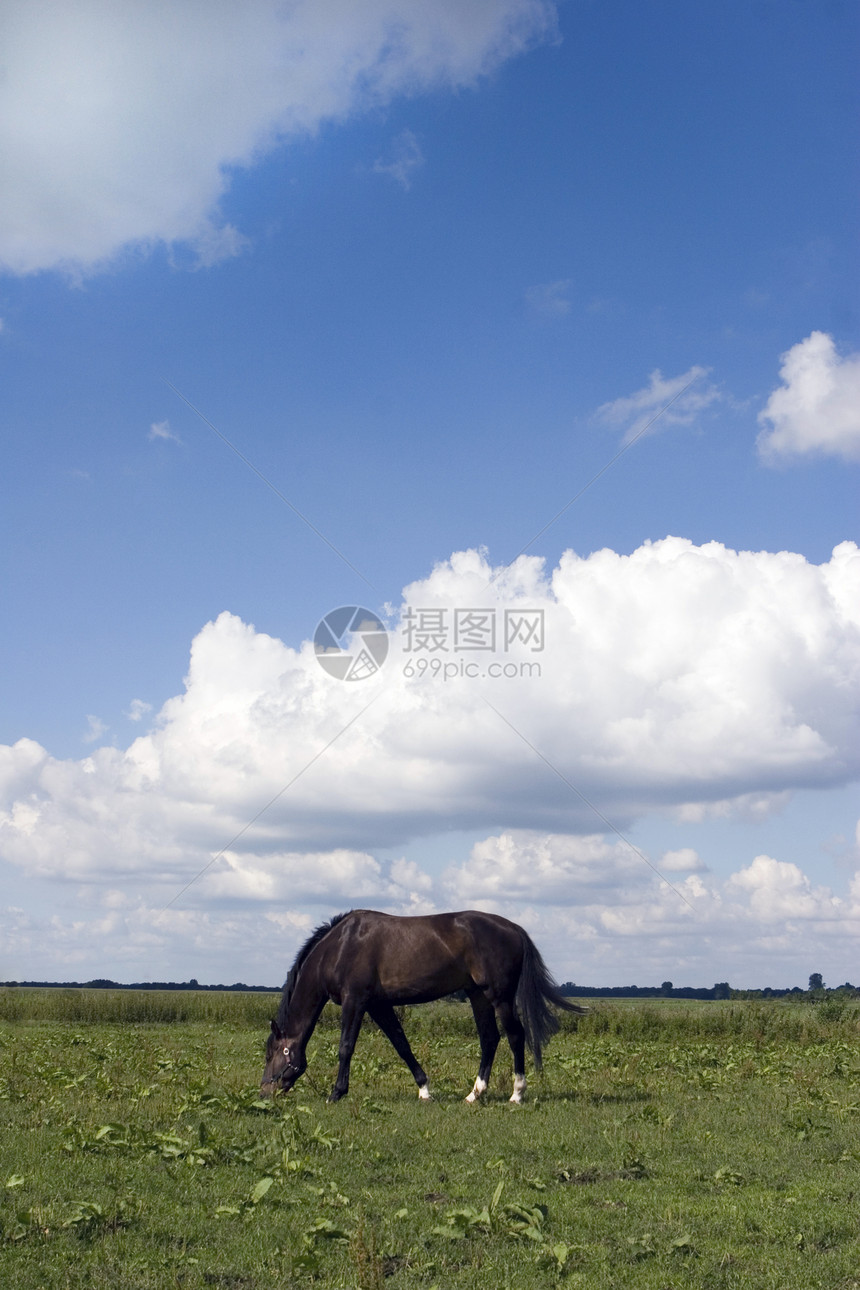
286, 1052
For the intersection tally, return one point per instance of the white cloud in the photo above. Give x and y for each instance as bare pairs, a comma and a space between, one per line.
816, 410
765, 924
403, 160
753, 807
120, 123
643, 411
542, 868
598, 916
676, 679
138, 709
684, 860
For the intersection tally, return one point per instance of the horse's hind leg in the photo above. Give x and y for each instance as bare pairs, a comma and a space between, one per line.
488, 1034
516, 1037
386, 1018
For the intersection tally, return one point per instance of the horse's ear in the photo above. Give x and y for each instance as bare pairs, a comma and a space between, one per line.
274, 1027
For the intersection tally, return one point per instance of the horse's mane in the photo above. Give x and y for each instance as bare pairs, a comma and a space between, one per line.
293, 974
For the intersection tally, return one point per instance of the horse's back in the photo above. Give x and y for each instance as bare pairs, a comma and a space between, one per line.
418, 957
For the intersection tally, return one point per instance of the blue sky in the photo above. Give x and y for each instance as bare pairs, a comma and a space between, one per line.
420, 269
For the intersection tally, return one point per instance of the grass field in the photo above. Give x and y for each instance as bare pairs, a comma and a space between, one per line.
702, 1145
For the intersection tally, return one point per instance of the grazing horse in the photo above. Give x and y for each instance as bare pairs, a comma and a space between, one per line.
370, 963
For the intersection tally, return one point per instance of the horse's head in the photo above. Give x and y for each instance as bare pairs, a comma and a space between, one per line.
285, 1062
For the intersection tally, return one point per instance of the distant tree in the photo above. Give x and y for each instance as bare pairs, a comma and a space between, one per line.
816, 981
722, 990
666, 988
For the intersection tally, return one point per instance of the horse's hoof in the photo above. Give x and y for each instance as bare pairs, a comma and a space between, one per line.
480, 1087
424, 1094
519, 1089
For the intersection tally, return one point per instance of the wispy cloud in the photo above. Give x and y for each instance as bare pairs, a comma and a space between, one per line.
636, 410
549, 299
404, 159
160, 430
138, 709
213, 244
96, 729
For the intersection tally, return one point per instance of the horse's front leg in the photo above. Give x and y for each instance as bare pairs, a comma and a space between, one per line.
386, 1018
488, 1034
352, 1012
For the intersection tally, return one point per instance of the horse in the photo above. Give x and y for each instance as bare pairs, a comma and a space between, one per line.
369, 962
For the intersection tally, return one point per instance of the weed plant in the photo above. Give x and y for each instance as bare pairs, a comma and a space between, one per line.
701, 1146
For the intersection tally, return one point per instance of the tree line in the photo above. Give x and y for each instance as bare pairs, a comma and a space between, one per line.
816, 989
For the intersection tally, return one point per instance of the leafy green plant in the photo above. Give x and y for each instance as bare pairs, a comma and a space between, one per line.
247, 1207
90, 1220
521, 1221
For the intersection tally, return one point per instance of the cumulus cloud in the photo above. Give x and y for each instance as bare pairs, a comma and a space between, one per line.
683, 398
599, 916
779, 891
766, 924
120, 124
683, 860
816, 410
542, 868
678, 678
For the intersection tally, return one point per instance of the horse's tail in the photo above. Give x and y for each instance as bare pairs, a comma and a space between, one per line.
535, 992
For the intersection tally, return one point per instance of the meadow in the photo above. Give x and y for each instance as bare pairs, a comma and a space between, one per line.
665, 1146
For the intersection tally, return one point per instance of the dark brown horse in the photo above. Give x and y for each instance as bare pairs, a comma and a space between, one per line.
370, 963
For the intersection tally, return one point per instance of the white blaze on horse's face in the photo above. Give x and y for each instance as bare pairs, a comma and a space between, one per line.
284, 1064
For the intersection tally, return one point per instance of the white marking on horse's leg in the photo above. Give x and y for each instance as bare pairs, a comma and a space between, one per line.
424, 1093
519, 1088
480, 1087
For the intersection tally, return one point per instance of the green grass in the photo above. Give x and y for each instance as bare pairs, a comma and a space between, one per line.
664, 1147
